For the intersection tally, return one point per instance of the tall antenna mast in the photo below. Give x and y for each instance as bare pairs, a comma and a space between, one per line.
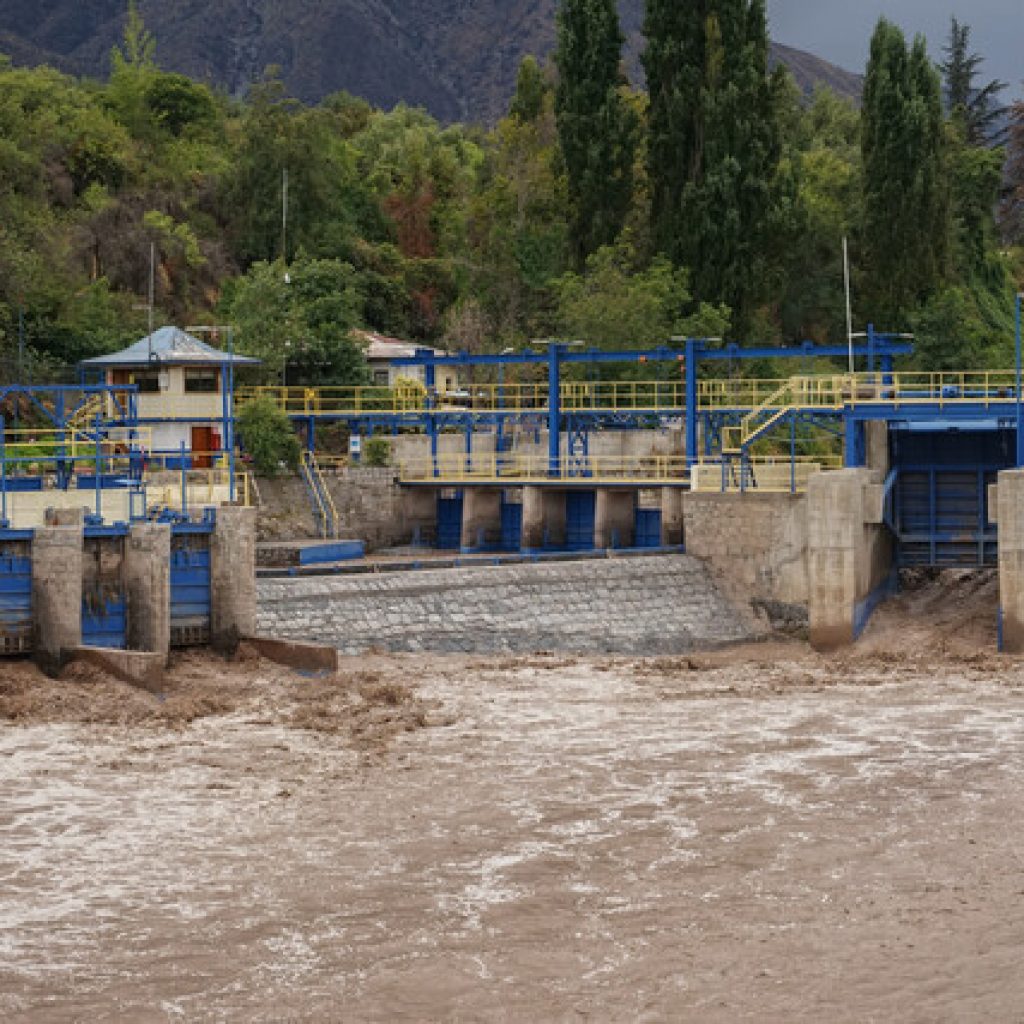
152, 293
284, 215
849, 305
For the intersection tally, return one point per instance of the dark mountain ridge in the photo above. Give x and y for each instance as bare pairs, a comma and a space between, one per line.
457, 58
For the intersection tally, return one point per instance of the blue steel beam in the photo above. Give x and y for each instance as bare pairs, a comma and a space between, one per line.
882, 346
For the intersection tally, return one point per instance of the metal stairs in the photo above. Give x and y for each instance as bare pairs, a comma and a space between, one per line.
325, 512
794, 395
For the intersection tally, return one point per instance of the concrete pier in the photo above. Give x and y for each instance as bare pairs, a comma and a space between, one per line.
148, 579
419, 514
614, 518
849, 555
57, 571
544, 522
1010, 516
481, 518
233, 577
672, 529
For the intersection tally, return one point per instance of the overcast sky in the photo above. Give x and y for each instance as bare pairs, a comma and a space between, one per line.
840, 30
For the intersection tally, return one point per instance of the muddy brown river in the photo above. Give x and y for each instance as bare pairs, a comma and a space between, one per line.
760, 835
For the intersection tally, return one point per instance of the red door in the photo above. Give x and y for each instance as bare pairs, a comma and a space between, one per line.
202, 447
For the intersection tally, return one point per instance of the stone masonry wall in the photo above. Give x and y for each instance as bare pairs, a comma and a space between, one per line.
756, 544
368, 502
284, 511
639, 606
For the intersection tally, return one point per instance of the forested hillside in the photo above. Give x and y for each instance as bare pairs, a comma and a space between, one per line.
587, 211
458, 60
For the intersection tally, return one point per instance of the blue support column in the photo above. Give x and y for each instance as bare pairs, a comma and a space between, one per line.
430, 382
229, 435
887, 365
499, 427
63, 478
792, 453
554, 409
692, 350
311, 435
3, 474
854, 446
1020, 417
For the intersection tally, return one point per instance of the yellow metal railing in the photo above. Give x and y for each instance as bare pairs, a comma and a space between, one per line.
820, 391
327, 511
29, 450
207, 481
511, 469
761, 474
576, 396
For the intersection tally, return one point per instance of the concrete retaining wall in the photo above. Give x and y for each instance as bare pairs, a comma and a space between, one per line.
637, 606
756, 544
369, 504
608, 444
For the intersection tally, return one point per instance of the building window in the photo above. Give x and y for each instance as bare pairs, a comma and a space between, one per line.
201, 382
380, 378
147, 383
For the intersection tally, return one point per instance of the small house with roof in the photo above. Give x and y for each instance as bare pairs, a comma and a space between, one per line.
381, 352
183, 383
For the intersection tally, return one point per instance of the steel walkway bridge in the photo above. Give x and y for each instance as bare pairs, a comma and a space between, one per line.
707, 408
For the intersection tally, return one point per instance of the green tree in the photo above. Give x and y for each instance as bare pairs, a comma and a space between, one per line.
268, 437
528, 101
714, 144
975, 108
133, 67
964, 327
825, 153
325, 196
298, 321
906, 197
617, 304
518, 226
597, 126
1011, 210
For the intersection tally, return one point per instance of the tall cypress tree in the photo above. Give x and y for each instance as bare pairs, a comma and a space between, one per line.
906, 200
1011, 211
597, 127
975, 107
714, 143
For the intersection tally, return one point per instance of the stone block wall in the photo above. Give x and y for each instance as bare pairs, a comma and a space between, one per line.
756, 544
368, 501
636, 606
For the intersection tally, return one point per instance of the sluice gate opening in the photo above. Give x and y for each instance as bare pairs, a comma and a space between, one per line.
941, 516
190, 585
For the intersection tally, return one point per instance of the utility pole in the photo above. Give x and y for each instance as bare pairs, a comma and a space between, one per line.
152, 293
849, 304
284, 216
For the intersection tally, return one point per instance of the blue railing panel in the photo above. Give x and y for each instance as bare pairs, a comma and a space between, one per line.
580, 513
191, 589
15, 601
449, 523
105, 621
511, 526
648, 528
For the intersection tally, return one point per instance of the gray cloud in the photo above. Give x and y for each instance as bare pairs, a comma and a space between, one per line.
840, 30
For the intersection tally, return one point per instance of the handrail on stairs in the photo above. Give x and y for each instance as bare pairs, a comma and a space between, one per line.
324, 508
